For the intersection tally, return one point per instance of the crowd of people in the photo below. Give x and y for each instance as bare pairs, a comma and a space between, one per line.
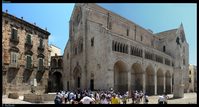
103, 97
99, 97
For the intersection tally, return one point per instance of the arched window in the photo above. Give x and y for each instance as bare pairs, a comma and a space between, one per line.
127, 49
53, 63
118, 47
124, 51
115, 46
60, 63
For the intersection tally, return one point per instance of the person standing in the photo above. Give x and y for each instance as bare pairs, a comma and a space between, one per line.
161, 99
146, 99
87, 100
115, 100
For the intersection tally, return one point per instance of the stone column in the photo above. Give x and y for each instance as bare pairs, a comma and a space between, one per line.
164, 83
155, 84
129, 82
171, 85
155, 81
144, 82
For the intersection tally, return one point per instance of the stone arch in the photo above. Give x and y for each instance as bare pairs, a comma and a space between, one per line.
77, 76
168, 82
150, 86
136, 77
56, 82
120, 76
160, 81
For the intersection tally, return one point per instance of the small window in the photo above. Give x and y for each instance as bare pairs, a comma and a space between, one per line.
92, 41
189, 80
141, 37
28, 61
127, 32
184, 61
28, 39
40, 64
14, 33
41, 43
190, 72
164, 48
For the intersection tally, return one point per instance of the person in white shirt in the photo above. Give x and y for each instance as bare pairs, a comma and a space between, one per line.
103, 100
146, 99
161, 99
87, 100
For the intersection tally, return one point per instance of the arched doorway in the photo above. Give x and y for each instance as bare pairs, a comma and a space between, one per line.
150, 86
77, 77
57, 84
160, 82
168, 82
120, 77
136, 77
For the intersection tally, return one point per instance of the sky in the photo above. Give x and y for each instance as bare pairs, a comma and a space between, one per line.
158, 17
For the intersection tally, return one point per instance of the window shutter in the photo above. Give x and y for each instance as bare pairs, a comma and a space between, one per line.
12, 35
16, 56
12, 58
15, 34
28, 61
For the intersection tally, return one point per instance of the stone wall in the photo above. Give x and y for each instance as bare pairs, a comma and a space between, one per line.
20, 76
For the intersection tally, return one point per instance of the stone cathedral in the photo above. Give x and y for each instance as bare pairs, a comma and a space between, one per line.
106, 51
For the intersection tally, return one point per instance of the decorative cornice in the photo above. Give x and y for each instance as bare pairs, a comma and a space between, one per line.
46, 33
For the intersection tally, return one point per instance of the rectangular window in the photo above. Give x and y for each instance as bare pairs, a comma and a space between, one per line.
41, 44
184, 61
28, 61
127, 32
28, 39
92, 41
14, 59
40, 64
14, 33
189, 80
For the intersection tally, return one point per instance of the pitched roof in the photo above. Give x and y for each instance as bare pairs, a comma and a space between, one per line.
168, 33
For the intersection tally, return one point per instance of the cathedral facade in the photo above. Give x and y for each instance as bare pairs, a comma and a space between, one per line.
106, 51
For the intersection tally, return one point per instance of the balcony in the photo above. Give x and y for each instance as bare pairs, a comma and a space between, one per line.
14, 66
30, 68
15, 41
29, 44
41, 68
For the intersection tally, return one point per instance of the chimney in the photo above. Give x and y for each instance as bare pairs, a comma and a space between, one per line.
21, 17
6, 11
